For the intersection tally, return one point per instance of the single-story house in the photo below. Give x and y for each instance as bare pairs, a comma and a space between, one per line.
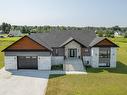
42, 50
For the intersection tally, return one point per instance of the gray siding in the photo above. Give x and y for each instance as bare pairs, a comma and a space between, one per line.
27, 53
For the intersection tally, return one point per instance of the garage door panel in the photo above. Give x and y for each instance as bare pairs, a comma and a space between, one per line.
27, 62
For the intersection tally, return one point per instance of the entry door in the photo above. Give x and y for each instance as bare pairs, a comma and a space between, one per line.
72, 52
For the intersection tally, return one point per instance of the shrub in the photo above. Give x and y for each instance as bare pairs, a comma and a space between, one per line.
57, 67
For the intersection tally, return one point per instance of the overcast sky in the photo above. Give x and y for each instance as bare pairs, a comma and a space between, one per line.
64, 12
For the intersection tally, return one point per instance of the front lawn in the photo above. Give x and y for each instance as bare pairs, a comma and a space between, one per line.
97, 81
91, 84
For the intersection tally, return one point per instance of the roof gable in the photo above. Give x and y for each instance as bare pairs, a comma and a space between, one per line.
25, 43
105, 43
70, 40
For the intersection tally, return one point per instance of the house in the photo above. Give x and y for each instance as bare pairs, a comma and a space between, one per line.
118, 33
42, 50
1, 32
15, 33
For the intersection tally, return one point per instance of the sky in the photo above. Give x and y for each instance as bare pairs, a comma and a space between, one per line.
64, 12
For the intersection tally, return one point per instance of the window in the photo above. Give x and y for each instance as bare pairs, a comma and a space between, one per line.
105, 53
104, 57
86, 50
34, 57
27, 56
56, 51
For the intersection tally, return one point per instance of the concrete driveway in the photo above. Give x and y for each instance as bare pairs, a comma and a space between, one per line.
23, 82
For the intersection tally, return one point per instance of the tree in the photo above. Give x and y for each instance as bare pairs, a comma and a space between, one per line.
116, 28
5, 27
25, 29
100, 33
109, 33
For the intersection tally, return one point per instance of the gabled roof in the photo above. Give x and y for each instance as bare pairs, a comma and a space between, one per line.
57, 38
20, 45
69, 40
98, 40
53, 39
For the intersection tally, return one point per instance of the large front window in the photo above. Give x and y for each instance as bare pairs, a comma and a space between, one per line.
104, 53
104, 57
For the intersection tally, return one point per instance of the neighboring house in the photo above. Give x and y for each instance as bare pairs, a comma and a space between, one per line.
15, 33
117, 33
41, 50
1, 32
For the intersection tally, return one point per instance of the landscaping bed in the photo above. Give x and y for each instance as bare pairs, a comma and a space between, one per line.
57, 67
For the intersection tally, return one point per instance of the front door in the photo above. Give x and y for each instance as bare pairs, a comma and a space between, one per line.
72, 52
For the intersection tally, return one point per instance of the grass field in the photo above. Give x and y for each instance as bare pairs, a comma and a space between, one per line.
97, 81
4, 42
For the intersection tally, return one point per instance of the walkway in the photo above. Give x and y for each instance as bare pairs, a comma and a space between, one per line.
73, 64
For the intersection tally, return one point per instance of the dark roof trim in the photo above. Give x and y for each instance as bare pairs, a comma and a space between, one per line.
114, 45
21, 39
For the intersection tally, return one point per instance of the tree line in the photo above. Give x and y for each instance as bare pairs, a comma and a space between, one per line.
100, 31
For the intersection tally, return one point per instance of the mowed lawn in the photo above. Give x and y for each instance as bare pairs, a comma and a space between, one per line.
97, 81
4, 42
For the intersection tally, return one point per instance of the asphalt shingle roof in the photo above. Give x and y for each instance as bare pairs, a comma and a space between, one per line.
57, 38
96, 40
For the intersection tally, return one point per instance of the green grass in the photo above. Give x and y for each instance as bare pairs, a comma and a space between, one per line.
91, 84
97, 81
4, 42
9, 39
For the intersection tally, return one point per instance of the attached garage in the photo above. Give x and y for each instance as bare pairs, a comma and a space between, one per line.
27, 53
27, 62
30, 60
